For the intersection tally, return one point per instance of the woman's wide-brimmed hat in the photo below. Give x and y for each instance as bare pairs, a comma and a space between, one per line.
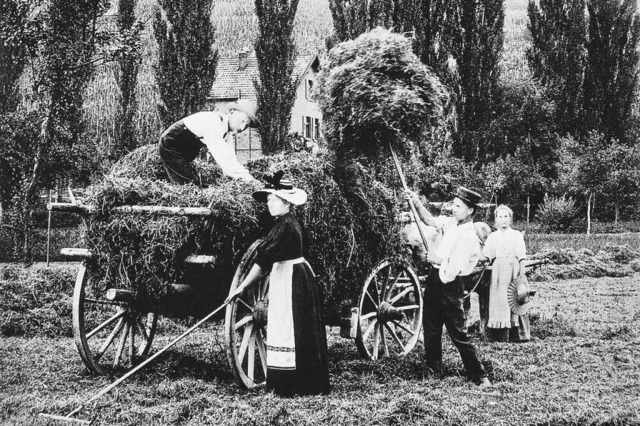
470, 198
249, 108
281, 186
519, 295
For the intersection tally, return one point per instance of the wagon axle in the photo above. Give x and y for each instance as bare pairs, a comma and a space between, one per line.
388, 312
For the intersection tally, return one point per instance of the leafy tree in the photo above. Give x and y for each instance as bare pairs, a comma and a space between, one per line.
187, 60
127, 66
612, 71
13, 26
354, 17
557, 56
275, 52
478, 54
65, 45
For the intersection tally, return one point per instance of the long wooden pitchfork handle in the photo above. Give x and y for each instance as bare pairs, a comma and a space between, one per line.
69, 417
411, 206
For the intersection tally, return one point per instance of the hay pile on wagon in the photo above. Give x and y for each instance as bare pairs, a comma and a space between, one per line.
349, 224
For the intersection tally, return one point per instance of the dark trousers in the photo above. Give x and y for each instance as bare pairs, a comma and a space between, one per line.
443, 305
178, 148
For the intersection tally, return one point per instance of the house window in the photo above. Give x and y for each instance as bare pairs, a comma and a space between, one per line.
316, 128
308, 88
307, 127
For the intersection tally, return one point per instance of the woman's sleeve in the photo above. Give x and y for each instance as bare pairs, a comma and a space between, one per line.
521, 249
488, 249
273, 246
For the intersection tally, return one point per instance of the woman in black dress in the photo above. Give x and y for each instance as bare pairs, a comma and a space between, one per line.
296, 338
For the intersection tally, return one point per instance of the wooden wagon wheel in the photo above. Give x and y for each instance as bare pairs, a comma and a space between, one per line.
245, 326
109, 334
390, 310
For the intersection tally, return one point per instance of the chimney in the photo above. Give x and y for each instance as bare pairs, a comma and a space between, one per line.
242, 59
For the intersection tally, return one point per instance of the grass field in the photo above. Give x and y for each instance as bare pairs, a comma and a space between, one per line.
582, 367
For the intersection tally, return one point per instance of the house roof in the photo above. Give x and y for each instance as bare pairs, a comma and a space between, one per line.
231, 83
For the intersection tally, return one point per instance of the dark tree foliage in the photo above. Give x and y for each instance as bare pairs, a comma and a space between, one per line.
354, 17
13, 25
438, 34
127, 66
66, 47
275, 52
612, 72
186, 59
478, 56
557, 57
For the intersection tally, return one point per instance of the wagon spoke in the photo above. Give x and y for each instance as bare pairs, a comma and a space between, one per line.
376, 341
123, 341
142, 328
262, 352
245, 304
386, 283
264, 290
404, 327
245, 341
372, 301
400, 295
252, 355
395, 337
395, 281
407, 307
109, 340
369, 315
242, 322
132, 342
383, 337
370, 327
375, 283
119, 314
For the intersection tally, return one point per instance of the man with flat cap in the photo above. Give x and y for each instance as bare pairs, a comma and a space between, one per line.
181, 142
453, 261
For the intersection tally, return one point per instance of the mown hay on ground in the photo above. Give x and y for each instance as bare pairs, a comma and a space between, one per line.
612, 261
36, 300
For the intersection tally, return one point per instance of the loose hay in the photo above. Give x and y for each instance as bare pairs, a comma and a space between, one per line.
612, 261
375, 90
349, 225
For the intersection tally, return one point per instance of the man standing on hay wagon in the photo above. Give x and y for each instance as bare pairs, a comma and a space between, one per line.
181, 142
453, 260
297, 361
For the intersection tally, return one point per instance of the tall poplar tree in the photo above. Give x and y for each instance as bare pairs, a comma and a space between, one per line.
275, 52
478, 53
186, 56
127, 66
557, 56
612, 72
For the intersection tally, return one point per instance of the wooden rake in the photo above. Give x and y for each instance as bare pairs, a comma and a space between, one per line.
69, 417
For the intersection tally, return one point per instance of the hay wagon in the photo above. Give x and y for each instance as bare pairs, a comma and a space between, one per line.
115, 327
388, 317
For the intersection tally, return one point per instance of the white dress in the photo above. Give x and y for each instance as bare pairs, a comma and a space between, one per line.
506, 248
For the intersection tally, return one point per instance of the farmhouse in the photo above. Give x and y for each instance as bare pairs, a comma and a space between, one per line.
235, 77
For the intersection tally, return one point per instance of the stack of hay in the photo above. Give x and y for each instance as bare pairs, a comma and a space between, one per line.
350, 225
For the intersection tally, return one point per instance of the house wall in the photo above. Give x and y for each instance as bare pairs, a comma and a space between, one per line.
303, 106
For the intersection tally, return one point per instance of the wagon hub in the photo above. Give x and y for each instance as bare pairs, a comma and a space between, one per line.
387, 312
260, 313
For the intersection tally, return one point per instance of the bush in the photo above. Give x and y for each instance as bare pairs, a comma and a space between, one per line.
557, 213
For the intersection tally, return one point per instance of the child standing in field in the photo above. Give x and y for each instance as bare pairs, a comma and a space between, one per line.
506, 249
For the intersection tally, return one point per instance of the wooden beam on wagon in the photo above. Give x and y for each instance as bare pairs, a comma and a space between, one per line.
161, 210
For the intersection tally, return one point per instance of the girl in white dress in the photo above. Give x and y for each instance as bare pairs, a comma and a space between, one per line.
506, 250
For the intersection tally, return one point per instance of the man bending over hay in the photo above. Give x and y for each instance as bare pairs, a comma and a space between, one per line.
181, 142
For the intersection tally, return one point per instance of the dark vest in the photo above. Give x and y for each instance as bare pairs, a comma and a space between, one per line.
180, 140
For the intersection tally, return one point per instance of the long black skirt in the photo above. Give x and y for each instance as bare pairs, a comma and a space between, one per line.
311, 374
